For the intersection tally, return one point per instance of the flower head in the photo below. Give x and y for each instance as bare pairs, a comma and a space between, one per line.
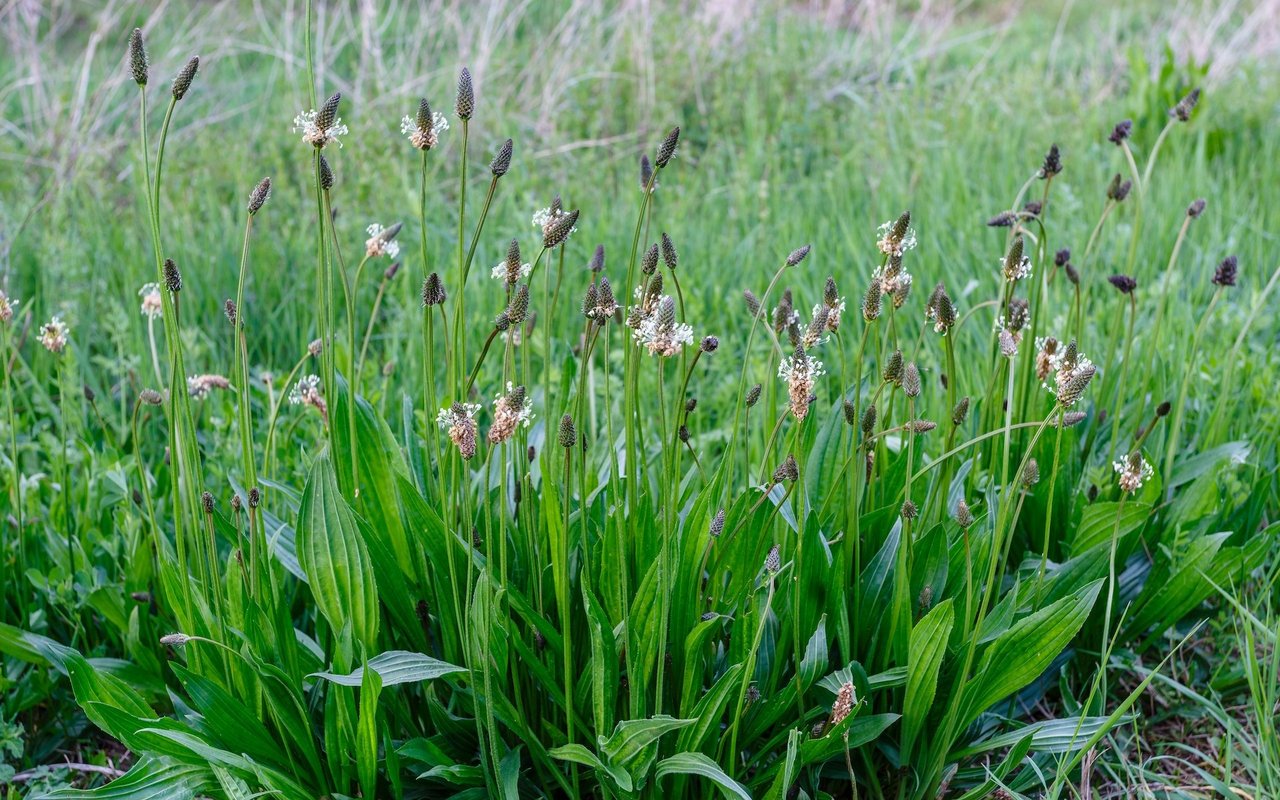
459, 421
54, 335
308, 391
200, 386
1071, 376
660, 334
323, 127
382, 241
7, 305
152, 302
896, 236
799, 372
502, 272
1132, 472
425, 128
511, 410
545, 219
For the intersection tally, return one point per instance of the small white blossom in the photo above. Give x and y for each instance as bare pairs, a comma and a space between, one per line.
379, 242
307, 391
660, 334
200, 386
1016, 272
890, 245
424, 139
152, 303
306, 124
511, 410
500, 272
459, 421
1133, 472
799, 372
544, 218
54, 335
7, 305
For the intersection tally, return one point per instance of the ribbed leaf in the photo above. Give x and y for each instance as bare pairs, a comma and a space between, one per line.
396, 667
928, 645
698, 764
335, 558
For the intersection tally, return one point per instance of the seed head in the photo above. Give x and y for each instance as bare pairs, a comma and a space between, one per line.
255, 497
690, 405
668, 148
646, 172
850, 412
773, 561
433, 293
920, 425
893, 368
589, 300
960, 412
1182, 111
869, 421
710, 344
1072, 418
314, 347
185, 76
260, 194
649, 262
597, 259
518, 308
909, 510
941, 310
1052, 163
843, 705
798, 255
326, 174
871, 302
717, 524
1124, 283
172, 277
1030, 474
502, 159
328, 113
466, 103
151, 397
229, 310
390, 272
911, 380
683, 433
174, 639
1121, 131
561, 226
1196, 208
1225, 274
206, 502
669, 255
753, 302
964, 517
1004, 219
1074, 387
1163, 409
568, 434
788, 470
753, 395
1072, 274
138, 57
1062, 257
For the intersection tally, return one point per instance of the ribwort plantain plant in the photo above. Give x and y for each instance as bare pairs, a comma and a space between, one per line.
606, 549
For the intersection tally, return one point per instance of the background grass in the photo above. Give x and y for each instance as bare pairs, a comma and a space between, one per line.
803, 123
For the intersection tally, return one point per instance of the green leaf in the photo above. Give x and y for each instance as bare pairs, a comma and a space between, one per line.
1098, 521
1025, 650
335, 558
395, 667
367, 733
1047, 736
928, 645
698, 764
149, 779
633, 735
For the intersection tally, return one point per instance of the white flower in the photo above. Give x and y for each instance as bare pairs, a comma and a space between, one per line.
7, 305
511, 410
890, 245
1016, 272
660, 334
500, 273
799, 372
307, 391
381, 241
306, 124
424, 138
834, 313
459, 420
544, 218
785, 317
54, 335
1133, 472
200, 386
152, 303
